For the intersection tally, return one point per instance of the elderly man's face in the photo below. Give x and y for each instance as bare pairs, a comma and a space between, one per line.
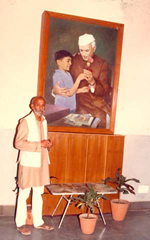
87, 51
38, 106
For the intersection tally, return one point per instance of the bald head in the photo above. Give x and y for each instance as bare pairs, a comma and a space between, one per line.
34, 99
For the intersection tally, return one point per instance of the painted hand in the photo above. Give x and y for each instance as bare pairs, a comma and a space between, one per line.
57, 90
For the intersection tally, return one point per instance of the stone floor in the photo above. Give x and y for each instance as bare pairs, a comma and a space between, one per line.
136, 226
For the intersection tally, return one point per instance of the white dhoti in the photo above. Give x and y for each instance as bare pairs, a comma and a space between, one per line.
37, 205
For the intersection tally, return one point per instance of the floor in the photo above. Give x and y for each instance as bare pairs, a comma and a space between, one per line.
136, 226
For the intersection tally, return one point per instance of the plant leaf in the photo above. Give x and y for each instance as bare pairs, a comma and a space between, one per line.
133, 179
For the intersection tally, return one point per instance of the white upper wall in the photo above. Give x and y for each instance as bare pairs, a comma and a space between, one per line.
20, 24
133, 112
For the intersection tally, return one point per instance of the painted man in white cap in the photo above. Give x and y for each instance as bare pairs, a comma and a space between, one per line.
96, 68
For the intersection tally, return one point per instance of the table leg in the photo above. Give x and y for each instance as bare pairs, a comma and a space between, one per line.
68, 202
100, 211
57, 206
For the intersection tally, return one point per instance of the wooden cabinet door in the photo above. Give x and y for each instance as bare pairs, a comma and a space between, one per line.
96, 158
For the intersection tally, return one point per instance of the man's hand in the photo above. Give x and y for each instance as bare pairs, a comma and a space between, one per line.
89, 76
82, 76
46, 143
57, 90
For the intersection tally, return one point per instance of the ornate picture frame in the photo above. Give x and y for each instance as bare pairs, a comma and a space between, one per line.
61, 32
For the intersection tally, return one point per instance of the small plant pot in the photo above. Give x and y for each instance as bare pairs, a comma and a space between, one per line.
119, 209
88, 224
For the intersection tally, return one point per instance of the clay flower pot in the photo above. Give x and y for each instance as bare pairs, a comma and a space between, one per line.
88, 224
119, 209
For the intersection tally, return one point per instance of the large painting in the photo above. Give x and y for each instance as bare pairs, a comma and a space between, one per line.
79, 68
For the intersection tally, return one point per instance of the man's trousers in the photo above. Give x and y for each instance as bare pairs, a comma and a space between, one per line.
37, 205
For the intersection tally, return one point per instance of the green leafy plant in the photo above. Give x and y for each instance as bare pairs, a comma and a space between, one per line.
121, 183
89, 200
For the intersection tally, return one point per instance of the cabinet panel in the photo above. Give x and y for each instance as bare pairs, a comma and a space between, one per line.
114, 155
58, 156
77, 158
114, 161
96, 158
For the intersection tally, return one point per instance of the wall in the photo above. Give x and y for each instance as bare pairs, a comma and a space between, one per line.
20, 22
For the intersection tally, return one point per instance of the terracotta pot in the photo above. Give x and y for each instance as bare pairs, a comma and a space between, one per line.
88, 224
29, 220
119, 209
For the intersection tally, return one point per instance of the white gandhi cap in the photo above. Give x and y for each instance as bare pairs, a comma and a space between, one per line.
85, 39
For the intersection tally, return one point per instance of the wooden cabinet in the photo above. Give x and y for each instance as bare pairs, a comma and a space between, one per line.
77, 157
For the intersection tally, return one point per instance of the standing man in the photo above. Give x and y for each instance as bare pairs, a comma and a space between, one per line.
31, 140
86, 61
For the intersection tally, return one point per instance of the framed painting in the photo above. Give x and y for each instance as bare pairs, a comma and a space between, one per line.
81, 96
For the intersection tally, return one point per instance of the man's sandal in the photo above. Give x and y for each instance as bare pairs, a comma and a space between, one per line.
45, 227
24, 230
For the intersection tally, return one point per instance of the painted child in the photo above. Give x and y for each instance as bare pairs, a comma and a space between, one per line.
64, 79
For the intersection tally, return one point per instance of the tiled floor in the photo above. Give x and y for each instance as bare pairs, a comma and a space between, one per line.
136, 226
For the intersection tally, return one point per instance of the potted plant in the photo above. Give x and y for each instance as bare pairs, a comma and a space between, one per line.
119, 206
89, 201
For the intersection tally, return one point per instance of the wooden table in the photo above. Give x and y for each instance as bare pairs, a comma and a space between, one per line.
70, 189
